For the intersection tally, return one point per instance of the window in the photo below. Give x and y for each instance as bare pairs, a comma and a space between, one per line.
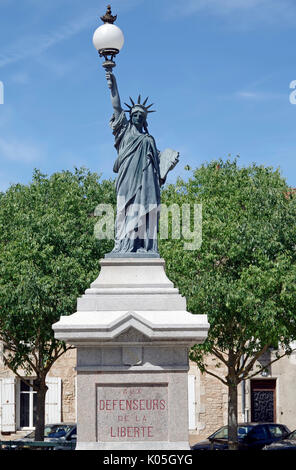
54, 430
28, 399
242, 431
221, 434
292, 436
258, 433
276, 431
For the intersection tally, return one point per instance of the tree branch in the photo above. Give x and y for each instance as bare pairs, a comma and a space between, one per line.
215, 375
219, 355
266, 365
252, 362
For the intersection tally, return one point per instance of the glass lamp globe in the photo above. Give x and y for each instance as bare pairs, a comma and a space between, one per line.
108, 36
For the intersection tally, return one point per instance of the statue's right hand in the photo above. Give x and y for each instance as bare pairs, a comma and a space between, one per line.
115, 99
110, 79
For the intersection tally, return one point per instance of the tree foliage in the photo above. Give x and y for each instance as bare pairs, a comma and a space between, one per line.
48, 257
243, 276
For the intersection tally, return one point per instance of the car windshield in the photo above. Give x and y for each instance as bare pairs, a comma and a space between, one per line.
292, 436
52, 430
222, 433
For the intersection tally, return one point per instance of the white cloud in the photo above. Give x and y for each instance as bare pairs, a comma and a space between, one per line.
19, 151
35, 45
32, 46
6, 116
3, 185
21, 78
260, 95
247, 94
221, 6
241, 13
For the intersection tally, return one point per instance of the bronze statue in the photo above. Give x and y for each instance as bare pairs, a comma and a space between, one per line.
141, 170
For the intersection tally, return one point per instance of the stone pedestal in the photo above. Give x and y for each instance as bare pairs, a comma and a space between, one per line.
132, 334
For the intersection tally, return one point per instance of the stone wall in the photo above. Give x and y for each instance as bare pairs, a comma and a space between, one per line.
211, 404
4, 371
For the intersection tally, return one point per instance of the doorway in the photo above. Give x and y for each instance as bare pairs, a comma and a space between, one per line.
263, 400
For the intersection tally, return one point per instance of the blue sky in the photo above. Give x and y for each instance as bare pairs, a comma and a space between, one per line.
218, 72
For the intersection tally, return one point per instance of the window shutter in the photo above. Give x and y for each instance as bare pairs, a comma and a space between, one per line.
8, 404
53, 400
191, 402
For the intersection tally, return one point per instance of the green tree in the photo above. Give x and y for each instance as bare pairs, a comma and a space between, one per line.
243, 275
48, 257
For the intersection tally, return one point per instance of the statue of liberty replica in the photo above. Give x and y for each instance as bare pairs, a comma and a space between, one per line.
141, 170
132, 319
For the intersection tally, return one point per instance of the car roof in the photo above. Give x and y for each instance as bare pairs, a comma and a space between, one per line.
261, 422
60, 424
253, 424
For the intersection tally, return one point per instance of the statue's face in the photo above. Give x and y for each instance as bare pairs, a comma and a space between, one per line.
138, 119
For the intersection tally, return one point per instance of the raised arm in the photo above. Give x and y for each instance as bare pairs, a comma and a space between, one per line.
115, 98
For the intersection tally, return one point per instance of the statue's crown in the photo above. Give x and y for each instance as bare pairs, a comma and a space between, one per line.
139, 105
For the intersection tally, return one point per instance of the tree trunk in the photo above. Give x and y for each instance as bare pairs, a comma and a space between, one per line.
232, 417
41, 389
232, 402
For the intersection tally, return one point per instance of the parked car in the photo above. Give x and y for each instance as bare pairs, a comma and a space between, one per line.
57, 432
287, 443
70, 437
251, 436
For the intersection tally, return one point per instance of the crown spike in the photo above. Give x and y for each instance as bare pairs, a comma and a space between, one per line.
143, 105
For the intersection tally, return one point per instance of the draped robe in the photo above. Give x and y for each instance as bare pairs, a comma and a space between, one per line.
137, 187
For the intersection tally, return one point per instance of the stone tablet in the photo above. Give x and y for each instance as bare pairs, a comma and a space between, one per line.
168, 159
137, 412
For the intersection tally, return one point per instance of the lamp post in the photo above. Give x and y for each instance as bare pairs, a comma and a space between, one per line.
108, 39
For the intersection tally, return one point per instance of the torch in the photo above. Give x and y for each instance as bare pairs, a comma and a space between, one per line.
108, 39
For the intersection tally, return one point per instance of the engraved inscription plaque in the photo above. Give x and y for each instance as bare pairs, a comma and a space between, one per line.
137, 412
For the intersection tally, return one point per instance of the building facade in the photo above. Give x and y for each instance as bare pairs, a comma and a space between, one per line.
18, 400
267, 397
